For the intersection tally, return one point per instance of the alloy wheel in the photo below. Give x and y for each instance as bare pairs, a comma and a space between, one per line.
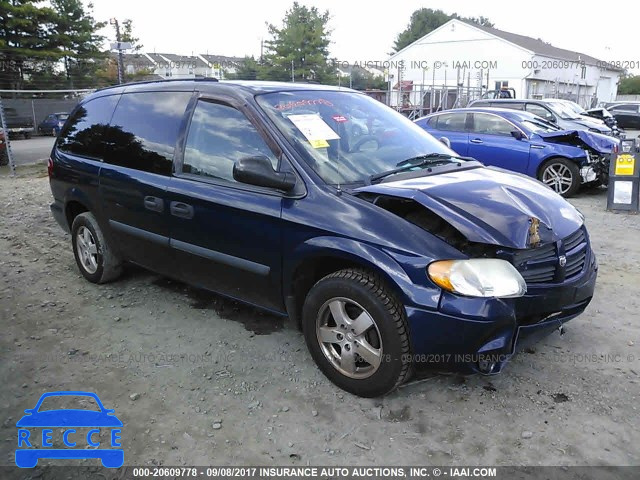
87, 250
349, 338
558, 177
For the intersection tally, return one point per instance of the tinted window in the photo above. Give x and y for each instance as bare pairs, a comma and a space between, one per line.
84, 133
538, 110
453, 122
144, 130
626, 108
491, 124
218, 136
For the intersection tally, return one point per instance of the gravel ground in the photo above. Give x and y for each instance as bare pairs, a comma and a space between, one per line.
200, 380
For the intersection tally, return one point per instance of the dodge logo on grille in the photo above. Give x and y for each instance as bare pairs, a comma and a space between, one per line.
562, 260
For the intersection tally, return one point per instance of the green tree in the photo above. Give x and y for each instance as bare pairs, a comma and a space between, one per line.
302, 44
75, 33
425, 21
25, 40
629, 85
127, 36
361, 79
247, 70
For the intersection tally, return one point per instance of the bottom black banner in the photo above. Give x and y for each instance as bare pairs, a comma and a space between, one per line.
322, 472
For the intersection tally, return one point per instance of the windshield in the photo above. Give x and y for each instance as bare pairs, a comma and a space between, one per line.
562, 110
574, 107
538, 126
348, 137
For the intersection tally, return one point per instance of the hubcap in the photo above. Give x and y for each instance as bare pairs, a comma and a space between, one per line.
349, 338
558, 177
87, 250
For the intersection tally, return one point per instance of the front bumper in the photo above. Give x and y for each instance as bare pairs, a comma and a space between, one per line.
481, 335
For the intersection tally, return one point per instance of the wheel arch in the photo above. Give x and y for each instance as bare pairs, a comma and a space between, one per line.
320, 257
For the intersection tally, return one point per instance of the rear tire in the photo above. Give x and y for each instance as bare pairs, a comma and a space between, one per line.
561, 175
357, 333
95, 257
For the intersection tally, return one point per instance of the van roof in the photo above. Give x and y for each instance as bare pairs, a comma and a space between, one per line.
212, 84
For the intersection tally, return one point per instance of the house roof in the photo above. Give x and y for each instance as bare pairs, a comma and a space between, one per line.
537, 46
223, 60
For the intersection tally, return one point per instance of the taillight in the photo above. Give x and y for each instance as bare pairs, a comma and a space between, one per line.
615, 148
50, 167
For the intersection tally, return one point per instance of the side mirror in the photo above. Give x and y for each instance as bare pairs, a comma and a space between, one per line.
517, 134
446, 141
259, 171
551, 119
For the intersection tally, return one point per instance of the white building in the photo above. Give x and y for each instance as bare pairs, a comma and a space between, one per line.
169, 65
460, 61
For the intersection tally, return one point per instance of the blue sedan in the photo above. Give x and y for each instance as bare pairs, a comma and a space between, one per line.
525, 143
53, 123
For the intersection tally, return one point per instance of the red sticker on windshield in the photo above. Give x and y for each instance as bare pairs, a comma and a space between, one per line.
339, 118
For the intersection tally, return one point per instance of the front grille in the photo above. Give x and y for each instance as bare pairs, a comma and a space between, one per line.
542, 264
575, 247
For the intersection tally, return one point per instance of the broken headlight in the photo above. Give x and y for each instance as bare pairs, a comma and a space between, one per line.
478, 277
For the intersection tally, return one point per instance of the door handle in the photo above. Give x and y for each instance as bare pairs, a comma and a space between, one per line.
181, 210
475, 140
154, 204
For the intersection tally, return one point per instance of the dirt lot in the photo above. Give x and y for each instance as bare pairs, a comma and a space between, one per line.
197, 379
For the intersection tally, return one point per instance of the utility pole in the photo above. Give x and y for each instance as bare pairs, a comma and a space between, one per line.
293, 76
114, 22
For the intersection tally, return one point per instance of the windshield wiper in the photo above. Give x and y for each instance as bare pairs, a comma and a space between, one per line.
417, 161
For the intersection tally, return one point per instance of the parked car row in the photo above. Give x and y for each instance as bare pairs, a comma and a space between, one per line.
392, 251
555, 111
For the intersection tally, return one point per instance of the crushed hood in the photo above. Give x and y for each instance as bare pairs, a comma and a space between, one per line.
489, 205
580, 138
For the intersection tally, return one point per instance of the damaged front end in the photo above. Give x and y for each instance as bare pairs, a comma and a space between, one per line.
539, 234
598, 150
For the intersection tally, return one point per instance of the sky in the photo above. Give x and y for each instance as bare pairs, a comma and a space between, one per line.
365, 31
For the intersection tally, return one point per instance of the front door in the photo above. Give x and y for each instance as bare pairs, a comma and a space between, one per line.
491, 142
226, 236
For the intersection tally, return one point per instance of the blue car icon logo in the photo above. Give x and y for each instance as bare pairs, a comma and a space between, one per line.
33, 445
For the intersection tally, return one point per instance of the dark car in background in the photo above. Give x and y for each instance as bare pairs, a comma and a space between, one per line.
600, 113
551, 110
52, 124
522, 142
389, 249
627, 114
18, 124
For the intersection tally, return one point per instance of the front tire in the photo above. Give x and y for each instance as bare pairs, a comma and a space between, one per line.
356, 331
561, 175
95, 257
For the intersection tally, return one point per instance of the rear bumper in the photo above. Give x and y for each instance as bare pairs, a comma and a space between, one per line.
481, 335
57, 210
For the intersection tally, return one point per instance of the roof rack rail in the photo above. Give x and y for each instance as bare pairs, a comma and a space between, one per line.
163, 80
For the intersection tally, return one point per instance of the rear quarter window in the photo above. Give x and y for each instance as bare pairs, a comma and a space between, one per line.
144, 130
84, 133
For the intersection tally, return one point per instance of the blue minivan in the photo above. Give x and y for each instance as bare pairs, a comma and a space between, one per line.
390, 250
